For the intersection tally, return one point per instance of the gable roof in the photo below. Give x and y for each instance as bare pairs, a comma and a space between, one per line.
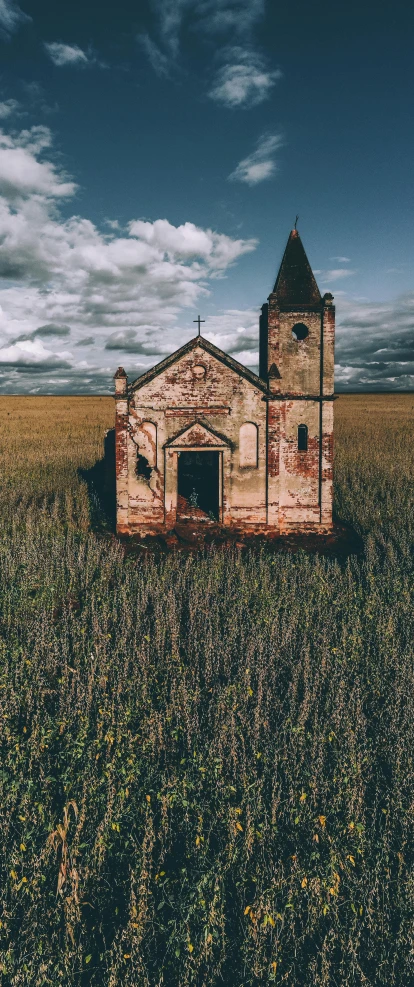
295, 283
228, 361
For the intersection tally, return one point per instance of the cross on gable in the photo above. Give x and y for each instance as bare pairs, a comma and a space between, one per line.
199, 321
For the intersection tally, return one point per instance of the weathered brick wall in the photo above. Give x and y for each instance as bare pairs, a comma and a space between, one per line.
327, 414
305, 374
273, 336
298, 361
328, 348
121, 453
273, 463
287, 489
299, 471
172, 400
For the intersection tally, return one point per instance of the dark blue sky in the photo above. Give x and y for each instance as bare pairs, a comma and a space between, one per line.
153, 158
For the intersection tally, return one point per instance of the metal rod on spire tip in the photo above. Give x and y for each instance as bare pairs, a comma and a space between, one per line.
199, 321
297, 217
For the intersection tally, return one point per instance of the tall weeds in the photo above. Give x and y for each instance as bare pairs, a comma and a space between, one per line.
206, 760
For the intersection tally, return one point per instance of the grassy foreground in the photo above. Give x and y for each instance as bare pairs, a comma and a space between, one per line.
206, 761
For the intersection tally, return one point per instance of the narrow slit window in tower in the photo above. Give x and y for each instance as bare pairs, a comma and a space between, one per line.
302, 438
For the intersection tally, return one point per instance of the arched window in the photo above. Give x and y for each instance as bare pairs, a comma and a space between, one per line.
302, 438
300, 331
248, 437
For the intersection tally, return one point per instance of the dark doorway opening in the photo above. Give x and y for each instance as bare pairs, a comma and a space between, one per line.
198, 485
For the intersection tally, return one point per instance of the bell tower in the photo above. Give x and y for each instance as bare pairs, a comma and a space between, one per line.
296, 353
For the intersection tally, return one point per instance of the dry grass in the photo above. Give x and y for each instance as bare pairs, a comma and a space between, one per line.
206, 761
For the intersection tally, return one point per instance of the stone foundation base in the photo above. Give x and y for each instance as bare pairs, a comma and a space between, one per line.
205, 527
338, 541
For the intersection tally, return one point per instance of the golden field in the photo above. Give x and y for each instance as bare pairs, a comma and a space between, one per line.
207, 768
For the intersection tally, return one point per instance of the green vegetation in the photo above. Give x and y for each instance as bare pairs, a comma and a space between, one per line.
206, 759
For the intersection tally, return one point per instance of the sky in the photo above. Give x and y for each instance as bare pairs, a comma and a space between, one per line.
153, 157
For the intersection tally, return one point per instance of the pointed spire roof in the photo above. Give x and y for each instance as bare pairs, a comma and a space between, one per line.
295, 283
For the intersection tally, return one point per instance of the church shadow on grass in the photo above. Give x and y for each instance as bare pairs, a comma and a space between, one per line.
100, 482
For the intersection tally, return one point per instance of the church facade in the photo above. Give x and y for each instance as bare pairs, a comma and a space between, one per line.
200, 438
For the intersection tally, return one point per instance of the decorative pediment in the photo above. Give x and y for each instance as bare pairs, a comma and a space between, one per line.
197, 434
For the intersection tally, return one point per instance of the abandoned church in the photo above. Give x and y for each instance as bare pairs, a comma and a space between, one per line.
201, 438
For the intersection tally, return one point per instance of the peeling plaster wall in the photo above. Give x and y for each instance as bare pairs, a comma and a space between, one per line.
299, 471
121, 454
199, 401
299, 360
197, 386
300, 489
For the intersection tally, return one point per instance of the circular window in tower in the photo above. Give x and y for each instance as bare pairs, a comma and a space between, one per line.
300, 331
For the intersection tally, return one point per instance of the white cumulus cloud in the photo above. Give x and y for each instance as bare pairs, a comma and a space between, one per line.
237, 17
261, 163
244, 81
8, 107
190, 242
62, 54
11, 16
236, 331
22, 174
210, 17
33, 355
59, 273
